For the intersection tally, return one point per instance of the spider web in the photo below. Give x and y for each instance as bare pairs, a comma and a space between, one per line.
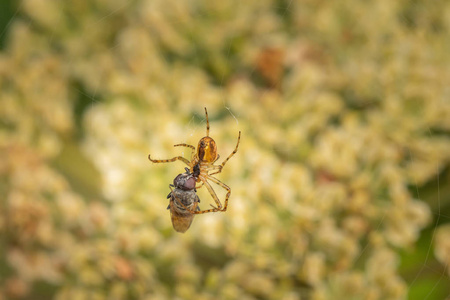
426, 277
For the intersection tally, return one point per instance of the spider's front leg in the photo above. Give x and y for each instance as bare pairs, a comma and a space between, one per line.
187, 146
169, 160
219, 168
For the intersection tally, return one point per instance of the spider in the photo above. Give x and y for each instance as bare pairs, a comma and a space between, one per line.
201, 164
182, 200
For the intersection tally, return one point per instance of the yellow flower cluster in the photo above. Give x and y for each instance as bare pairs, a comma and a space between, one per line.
343, 107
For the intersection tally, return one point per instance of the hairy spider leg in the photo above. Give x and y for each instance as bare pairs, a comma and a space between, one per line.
169, 160
185, 145
207, 122
226, 187
212, 192
200, 185
188, 146
220, 167
216, 199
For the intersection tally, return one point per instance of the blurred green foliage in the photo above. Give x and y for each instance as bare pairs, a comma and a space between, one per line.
7, 13
340, 187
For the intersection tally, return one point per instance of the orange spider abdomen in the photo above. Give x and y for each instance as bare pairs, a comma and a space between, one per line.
207, 150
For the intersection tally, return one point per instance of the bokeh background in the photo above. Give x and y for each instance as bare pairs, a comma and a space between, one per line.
340, 187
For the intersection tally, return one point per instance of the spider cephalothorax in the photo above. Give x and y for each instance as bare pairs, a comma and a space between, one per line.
201, 164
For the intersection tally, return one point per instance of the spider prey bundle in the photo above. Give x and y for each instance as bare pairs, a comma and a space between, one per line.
201, 164
183, 199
